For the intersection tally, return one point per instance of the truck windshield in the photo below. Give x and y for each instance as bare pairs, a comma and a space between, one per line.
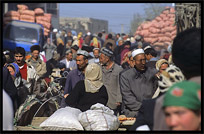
21, 34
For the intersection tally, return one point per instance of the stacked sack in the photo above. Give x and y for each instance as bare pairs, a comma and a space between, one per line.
9, 16
160, 30
44, 19
25, 14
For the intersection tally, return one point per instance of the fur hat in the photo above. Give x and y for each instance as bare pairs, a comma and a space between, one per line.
35, 47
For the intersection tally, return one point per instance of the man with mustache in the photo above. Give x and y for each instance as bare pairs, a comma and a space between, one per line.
27, 71
137, 84
75, 75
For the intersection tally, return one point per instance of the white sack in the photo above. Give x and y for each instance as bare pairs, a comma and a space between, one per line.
99, 117
63, 119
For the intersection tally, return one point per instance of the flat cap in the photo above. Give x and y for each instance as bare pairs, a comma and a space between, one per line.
82, 52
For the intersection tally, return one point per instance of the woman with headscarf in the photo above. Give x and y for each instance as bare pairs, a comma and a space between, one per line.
22, 91
95, 43
182, 106
89, 91
161, 65
60, 46
15, 73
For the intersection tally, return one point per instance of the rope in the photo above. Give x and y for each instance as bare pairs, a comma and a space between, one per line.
43, 104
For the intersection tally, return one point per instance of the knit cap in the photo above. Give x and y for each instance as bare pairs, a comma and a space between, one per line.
186, 94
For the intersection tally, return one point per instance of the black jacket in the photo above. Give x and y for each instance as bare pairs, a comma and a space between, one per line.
83, 100
9, 87
145, 115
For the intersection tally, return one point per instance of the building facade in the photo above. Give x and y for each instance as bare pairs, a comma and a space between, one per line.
83, 25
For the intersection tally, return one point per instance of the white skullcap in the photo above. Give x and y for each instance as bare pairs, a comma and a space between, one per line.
128, 39
74, 37
147, 47
88, 33
137, 51
55, 30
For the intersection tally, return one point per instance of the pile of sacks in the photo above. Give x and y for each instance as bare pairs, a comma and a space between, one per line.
160, 30
98, 118
44, 19
24, 14
9, 16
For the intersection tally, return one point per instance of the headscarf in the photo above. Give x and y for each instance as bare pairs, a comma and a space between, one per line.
15, 67
160, 62
167, 78
95, 42
93, 78
60, 41
185, 94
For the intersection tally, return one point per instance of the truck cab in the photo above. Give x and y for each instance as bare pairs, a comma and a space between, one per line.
22, 34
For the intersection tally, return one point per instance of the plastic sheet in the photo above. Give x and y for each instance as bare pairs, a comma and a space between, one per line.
99, 117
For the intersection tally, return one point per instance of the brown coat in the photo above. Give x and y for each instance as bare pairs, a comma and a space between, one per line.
111, 41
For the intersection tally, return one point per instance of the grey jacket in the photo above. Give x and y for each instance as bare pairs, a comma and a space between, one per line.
72, 64
49, 50
135, 87
111, 82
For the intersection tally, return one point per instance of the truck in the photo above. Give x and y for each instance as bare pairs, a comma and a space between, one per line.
22, 34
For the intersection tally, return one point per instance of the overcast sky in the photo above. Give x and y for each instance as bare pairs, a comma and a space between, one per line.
115, 13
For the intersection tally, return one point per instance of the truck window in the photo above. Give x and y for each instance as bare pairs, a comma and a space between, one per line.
21, 34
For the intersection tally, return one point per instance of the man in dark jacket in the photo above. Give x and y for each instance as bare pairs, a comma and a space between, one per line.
75, 75
137, 84
8, 85
111, 41
151, 55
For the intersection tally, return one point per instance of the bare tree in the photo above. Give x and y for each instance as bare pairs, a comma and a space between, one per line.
153, 10
137, 20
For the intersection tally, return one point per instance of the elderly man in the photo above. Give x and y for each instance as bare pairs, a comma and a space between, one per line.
137, 84
75, 75
111, 79
36, 62
70, 64
95, 59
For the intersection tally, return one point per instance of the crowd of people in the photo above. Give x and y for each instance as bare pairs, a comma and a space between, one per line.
158, 85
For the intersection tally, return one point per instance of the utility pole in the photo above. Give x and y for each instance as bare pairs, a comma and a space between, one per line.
5, 7
122, 26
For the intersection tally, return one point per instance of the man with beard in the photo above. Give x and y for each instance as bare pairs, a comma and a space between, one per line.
111, 72
137, 84
75, 75
96, 53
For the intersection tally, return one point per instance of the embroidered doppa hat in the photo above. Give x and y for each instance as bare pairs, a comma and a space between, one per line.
186, 94
82, 52
107, 52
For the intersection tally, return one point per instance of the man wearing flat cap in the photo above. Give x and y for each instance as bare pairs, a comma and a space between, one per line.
75, 75
137, 84
111, 72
